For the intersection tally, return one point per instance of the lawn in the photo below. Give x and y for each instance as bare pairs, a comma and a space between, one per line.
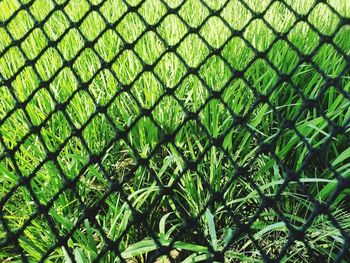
200, 126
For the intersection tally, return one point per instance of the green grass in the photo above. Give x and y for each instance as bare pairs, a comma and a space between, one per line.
99, 100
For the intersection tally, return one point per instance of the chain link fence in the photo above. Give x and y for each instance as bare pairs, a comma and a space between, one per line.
174, 131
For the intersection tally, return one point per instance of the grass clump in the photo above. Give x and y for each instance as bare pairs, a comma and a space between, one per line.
89, 100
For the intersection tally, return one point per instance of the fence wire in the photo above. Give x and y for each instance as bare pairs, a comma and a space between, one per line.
108, 57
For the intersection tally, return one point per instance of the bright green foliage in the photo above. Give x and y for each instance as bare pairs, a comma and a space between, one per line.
125, 91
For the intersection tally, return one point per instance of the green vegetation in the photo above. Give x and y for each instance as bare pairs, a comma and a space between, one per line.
118, 91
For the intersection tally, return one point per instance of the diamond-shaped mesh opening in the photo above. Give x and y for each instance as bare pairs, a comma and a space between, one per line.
191, 144
56, 25
34, 43
131, 27
11, 7
341, 8
44, 238
92, 185
55, 131
316, 133
25, 83
112, 10
191, 18
259, 35
92, 26
5, 39
172, 29
77, 113
287, 101
334, 98
103, 87
20, 206
123, 110
147, 90
168, 114
108, 45
170, 70
191, 203
279, 17
215, 32
65, 210
278, 58
166, 164
8, 103
133, 2
233, 96
340, 38
333, 58
88, 235
121, 164
329, 21
30, 153
17, 120
192, 93
87, 65
152, 11
72, 157
261, 76
215, 73
76, 9
47, 176
150, 135
40, 106
95, 2
10, 176
193, 50
241, 17
41, 8
127, 67
291, 142
175, 131
243, 53
20, 24
217, 166
101, 130
71, 44
149, 47
11, 61
48, 64
306, 73
215, 5
258, 7
215, 118
301, 8
63, 85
